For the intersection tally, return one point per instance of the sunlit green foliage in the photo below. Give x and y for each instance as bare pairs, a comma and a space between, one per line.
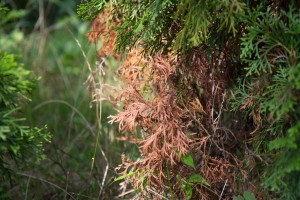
169, 24
17, 141
90, 9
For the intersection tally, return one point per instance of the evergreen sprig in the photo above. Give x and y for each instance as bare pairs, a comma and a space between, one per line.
161, 25
270, 50
18, 142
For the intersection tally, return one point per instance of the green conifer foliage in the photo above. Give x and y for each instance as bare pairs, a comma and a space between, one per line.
18, 142
270, 50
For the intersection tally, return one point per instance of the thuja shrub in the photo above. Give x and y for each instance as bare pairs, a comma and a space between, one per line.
210, 94
18, 143
269, 93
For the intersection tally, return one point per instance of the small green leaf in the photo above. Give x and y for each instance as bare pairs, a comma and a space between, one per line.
246, 196
188, 160
125, 176
196, 178
188, 190
15, 149
249, 196
238, 198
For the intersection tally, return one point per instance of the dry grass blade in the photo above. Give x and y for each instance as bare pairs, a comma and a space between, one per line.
92, 81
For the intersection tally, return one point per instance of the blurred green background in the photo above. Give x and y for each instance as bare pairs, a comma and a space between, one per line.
43, 34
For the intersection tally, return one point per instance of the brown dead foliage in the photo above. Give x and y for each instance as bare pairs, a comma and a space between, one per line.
173, 126
160, 118
177, 102
101, 31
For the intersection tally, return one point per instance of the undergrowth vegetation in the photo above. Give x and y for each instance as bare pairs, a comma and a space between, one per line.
19, 143
209, 93
79, 161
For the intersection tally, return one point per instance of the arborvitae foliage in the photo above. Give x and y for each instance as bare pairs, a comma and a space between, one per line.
270, 92
211, 95
18, 143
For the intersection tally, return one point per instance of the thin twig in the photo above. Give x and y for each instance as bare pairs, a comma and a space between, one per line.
125, 193
223, 189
